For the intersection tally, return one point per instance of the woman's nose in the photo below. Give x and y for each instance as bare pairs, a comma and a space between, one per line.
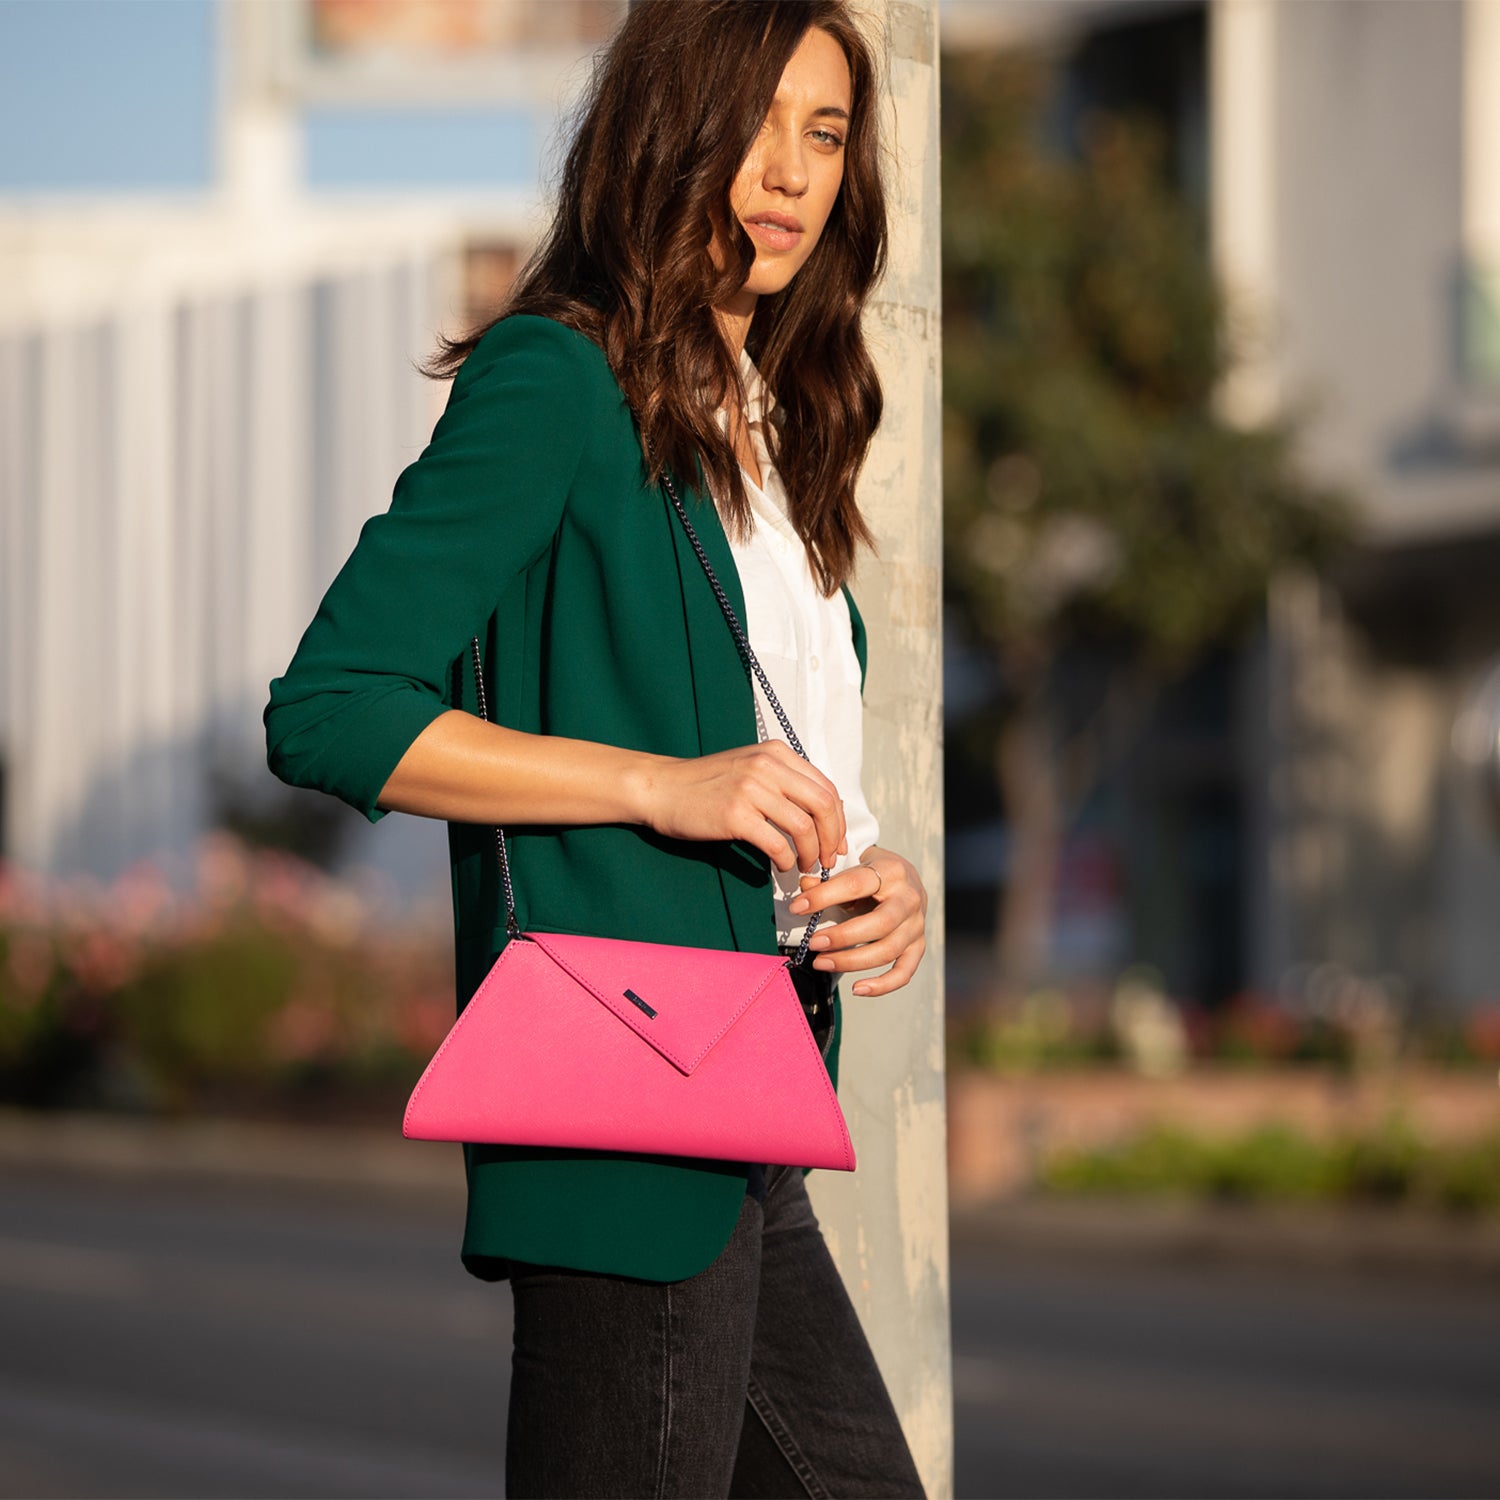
786, 166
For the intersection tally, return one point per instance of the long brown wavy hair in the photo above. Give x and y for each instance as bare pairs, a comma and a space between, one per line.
674, 105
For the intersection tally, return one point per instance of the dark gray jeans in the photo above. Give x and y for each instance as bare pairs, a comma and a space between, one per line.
752, 1378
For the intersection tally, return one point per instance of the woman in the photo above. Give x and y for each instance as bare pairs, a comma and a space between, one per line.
693, 312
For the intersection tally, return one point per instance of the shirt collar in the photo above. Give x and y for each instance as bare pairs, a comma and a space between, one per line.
759, 402
769, 502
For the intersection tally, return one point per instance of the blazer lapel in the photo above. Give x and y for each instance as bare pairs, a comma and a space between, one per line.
857, 630
726, 706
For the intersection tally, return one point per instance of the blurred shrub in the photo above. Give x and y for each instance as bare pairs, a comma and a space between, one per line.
1153, 1034
1384, 1165
1466, 1178
1160, 1159
1046, 1029
1271, 1161
1389, 1163
270, 983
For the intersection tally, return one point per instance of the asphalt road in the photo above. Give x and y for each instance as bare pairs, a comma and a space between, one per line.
162, 1341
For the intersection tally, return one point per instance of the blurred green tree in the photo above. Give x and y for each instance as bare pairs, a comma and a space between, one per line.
1093, 489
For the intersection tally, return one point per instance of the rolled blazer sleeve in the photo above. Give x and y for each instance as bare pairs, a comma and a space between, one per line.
469, 514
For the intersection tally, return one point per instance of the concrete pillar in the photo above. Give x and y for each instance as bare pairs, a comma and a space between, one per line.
1481, 131
887, 1223
1480, 272
1242, 46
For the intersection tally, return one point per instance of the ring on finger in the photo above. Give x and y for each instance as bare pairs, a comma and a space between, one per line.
878, 881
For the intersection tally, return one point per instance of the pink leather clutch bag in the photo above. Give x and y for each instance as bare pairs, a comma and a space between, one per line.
606, 1044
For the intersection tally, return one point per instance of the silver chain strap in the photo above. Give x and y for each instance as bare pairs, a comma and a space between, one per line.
752, 665
512, 926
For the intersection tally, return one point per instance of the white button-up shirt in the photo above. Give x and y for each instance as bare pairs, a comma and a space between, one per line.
805, 644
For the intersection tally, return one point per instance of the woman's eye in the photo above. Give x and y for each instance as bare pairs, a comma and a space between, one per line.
828, 137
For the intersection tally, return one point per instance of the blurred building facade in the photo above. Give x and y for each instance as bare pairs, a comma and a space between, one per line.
227, 232
1321, 804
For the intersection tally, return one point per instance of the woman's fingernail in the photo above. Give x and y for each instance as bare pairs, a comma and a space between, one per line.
861, 989
823, 963
799, 904
818, 942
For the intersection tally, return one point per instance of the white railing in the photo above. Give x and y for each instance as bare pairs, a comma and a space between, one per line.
182, 470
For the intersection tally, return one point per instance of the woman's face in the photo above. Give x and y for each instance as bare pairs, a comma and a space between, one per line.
786, 187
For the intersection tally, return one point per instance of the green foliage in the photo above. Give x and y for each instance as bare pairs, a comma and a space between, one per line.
204, 1010
1390, 1163
1090, 482
1386, 1164
1269, 1161
1161, 1159
1043, 1031
1466, 1178
270, 983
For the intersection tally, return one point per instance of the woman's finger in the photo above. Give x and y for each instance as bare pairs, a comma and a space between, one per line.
799, 833
813, 812
751, 826
865, 927
857, 883
816, 796
797, 808
871, 922
871, 955
900, 973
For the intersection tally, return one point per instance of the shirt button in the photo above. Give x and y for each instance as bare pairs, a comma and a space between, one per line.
814, 664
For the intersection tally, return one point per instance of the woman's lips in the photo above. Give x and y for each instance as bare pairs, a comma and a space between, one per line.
773, 234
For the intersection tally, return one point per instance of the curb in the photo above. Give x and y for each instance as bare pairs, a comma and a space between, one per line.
1304, 1236
333, 1161
363, 1164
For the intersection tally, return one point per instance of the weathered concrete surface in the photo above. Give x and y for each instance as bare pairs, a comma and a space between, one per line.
887, 1224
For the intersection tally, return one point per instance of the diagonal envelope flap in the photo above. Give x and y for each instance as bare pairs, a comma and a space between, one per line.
680, 1001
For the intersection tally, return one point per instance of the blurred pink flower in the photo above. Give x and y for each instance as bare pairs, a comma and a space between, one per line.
1260, 1025
141, 902
78, 901
101, 961
422, 1021
1483, 1032
302, 1031
23, 895
223, 869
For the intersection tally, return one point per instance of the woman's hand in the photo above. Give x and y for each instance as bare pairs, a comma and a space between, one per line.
890, 902
763, 794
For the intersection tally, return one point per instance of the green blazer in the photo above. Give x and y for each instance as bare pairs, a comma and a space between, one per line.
527, 521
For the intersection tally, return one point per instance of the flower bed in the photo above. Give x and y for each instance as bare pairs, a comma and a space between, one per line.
270, 987
1329, 1018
